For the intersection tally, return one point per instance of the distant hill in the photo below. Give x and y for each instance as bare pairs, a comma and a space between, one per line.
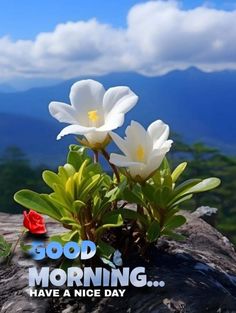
200, 106
34, 136
6, 88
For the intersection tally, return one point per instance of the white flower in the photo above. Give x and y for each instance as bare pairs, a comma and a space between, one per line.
143, 150
93, 111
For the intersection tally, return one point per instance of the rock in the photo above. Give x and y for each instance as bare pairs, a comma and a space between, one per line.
199, 275
13, 292
207, 213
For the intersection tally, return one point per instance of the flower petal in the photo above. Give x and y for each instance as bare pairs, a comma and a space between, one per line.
95, 137
87, 95
165, 147
135, 131
121, 143
135, 135
74, 129
114, 121
26, 221
63, 112
157, 156
119, 99
159, 132
154, 163
140, 171
122, 161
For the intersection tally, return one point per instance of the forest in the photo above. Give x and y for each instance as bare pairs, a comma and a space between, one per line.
17, 172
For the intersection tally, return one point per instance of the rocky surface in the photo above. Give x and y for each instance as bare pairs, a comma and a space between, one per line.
207, 213
199, 275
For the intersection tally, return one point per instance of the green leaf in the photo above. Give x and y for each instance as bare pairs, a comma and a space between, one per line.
153, 231
186, 185
156, 178
70, 188
80, 177
132, 197
166, 190
104, 249
5, 247
67, 220
61, 197
205, 185
178, 171
167, 181
115, 193
98, 204
174, 222
76, 156
107, 181
93, 168
109, 220
32, 200
180, 200
51, 178
165, 196
63, 175
55, 206
172, 235
165, 168
70, 170
25, 247
78, 205
130, 214
57, 238
148, 192
192, 186
112, 218
91, 184
180, 190
74, 234
158, 196
171, 213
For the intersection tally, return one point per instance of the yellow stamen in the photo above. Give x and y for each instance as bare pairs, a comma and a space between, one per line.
93, 116
140, 153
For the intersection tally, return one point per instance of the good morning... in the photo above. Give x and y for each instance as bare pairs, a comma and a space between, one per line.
81, 276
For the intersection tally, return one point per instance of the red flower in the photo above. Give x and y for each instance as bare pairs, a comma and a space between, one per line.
34, 222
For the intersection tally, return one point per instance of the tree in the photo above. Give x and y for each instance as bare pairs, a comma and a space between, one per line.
16, 173
204, 161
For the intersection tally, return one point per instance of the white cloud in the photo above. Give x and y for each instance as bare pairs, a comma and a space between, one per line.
159, 37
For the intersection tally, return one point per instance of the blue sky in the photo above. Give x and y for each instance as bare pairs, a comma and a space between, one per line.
62, 39
28, 17
24, 19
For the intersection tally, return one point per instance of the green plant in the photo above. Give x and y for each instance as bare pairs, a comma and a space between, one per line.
85, 200
159, 200
5, 248
82, 200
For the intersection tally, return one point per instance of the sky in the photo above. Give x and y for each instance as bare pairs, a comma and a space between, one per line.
26, 18
45, 39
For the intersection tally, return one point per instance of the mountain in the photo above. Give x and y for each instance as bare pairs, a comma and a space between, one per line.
200, 106
22, 83
35, 137
6, 88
